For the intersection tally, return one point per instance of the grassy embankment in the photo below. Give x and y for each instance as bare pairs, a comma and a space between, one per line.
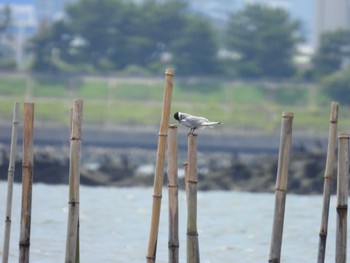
137, 102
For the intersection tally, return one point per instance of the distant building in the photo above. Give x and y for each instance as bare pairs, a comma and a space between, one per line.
23, 26
28, 18
331, 15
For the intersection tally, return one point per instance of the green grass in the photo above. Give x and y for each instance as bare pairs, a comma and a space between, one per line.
91, 89
239, 105
138, 91
12, 86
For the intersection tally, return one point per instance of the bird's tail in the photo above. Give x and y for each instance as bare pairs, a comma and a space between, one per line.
212, 123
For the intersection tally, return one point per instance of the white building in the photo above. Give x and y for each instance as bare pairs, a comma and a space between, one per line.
331, 15
27, 17
23, 26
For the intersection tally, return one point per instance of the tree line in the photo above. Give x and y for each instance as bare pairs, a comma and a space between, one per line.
116, 35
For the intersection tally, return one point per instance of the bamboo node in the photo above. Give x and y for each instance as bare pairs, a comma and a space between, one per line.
342, 207
323, 234
173, 185
27, 166
192, 233
173, 245
173, 126
328, 176
157, 196
75, 138
151, 258
162, 134
24, 244
191, 181
280, 189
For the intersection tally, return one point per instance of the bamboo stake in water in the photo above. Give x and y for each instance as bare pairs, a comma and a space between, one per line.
328, 176
159, 171
27, 182
281, 187
77, 257
342, 197
74, 181
10, 178
192, 179
173, 196
185, 165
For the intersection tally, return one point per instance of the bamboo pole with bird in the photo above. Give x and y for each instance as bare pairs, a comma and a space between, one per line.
192, 180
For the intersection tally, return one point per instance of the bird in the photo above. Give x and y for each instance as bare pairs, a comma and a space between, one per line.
193, 122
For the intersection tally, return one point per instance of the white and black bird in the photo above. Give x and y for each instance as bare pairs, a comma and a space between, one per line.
194, 122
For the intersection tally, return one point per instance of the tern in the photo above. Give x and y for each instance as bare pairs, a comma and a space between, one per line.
193, 122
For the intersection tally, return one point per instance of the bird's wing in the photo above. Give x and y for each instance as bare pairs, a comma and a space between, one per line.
194, 121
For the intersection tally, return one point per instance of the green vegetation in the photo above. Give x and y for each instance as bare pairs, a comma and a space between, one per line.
120, 101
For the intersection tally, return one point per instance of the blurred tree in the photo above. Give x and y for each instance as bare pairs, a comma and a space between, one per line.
110, 34
333, 52
263, 40
337, 86
52, 46
195, 52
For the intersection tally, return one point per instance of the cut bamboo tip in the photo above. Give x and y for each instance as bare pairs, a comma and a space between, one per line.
169, 71
287, 114
343, 135
173, 126
334, 112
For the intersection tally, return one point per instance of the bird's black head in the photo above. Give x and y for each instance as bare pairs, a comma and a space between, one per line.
176, 116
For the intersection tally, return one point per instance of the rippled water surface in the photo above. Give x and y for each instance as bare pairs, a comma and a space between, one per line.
114, 225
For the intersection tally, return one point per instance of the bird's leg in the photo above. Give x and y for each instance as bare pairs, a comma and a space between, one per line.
192, 131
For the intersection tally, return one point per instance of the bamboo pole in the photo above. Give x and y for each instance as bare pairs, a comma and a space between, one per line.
281, 187
342, 197
328, 177
10, 178
27, 182
74, 181
173, 196
77, 256
192, 179
159, 171
185, 165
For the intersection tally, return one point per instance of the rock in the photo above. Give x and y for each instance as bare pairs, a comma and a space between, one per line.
217, 171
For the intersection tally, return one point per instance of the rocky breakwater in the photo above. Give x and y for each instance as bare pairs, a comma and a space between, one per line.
131, 167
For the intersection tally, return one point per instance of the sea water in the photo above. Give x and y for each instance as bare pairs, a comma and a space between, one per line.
115, 223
